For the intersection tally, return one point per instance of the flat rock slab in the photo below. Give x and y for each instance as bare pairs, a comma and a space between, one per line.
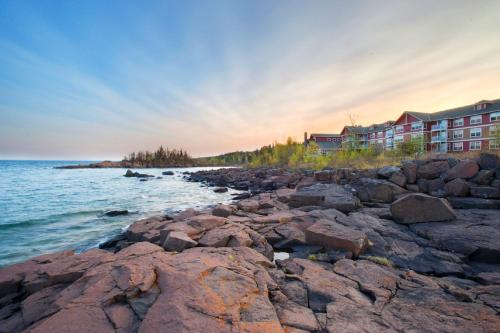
417, 207
333, 235
325, 195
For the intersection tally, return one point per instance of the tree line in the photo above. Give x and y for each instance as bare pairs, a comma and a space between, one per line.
160, 158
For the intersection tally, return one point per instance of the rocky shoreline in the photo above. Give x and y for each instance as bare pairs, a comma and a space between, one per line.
412, 248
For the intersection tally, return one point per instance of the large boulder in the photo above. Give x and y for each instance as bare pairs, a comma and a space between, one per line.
398, 178
333, 235
178, 241
432, 170
489, 161
325, 195
410, 171
417, 207
377, 190
457, 188
464, 169
483, 177
387, 171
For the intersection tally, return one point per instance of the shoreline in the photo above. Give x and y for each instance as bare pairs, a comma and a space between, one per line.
366, 247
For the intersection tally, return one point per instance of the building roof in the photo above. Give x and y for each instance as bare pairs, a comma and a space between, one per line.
324, 135
463, 111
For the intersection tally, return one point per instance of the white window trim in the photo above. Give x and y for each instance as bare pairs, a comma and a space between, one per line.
458, 122
458, 144
496, 115
456, 132
470, 145
475, 130
494, 144
478, 117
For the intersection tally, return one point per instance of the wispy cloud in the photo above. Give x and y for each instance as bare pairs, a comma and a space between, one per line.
236, 76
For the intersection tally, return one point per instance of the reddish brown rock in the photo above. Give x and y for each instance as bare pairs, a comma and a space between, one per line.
417, 207
333, 235
464, 169
178, 241
432, 170
457, 188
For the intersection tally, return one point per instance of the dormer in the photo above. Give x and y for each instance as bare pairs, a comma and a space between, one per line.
481, 105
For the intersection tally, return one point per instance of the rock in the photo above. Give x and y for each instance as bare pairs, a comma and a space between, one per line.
398, 178
230, 235
471, 203
242, 196
222, 210
206, 221
323, 176
295, 315
129, 173
248, 205
283, 194
167, 173
483, 177
489, 161
410, 171
435, 185
178, 241
432, 170
220, 189
496, 183
412, 187
333, 235
116, 213
376, 190
325, 195
457, 188
417, 207
146, 229
464, 169
305, 182
485, 192
387, 171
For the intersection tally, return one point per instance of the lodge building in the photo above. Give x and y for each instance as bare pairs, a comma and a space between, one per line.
466, 128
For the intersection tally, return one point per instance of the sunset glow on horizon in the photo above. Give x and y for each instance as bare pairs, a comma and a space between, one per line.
99, 79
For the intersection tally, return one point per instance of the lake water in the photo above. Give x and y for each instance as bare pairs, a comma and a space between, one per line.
44, 210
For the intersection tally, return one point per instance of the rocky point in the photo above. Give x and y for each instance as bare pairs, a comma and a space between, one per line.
410, 248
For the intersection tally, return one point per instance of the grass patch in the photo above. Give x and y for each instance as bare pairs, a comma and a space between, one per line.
380, 261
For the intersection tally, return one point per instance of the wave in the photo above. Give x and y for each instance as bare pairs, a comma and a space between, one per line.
49, 219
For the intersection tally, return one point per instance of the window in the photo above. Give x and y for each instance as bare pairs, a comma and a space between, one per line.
495, 144
475, 132
495, 116
416, 126
401, 128
458, 122
389, 133
416, 135
476, 120
458, 146
495, 130
458, 134
380, 134
475, 145
398, 138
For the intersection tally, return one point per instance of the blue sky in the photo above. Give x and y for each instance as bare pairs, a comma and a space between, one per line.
98, 79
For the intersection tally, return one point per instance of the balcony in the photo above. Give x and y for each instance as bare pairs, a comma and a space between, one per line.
439, 138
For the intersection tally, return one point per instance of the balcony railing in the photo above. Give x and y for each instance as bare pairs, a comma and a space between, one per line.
439, 138
438, 128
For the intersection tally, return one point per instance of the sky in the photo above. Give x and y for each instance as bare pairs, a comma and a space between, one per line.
99, 79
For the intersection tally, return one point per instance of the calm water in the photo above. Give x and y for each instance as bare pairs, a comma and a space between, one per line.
43, 209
